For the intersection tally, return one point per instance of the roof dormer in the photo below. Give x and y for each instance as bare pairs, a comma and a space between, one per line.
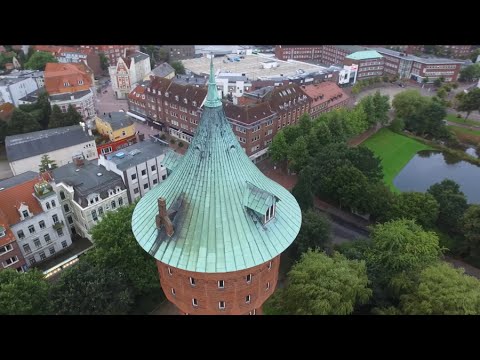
24, 211
260, 203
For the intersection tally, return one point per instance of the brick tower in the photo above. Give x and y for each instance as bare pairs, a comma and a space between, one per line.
217, 225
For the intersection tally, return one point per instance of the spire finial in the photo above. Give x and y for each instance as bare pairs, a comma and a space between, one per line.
212, 95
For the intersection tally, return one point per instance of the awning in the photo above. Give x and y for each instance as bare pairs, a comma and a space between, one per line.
136, 116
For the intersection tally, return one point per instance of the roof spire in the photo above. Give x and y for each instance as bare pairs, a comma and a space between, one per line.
212, 95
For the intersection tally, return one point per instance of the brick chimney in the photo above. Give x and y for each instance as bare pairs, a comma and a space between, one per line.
162, 217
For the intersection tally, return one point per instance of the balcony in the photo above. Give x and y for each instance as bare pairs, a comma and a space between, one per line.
58, 225
43, 189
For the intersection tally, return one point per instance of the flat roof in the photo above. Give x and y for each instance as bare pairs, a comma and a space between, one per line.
16, 180
251, 66
137, 154
363, 55
424, 60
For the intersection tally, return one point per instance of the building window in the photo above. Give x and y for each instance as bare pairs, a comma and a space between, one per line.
55, 218
135, 191
221, 284
70, 219
249, 278
270, 265
192, 281
51, 249
153, 168
37, 243
94, 215
60, 232
66, 208
164, 177
100, 211
155, 181
194, 302
42, 255
270, 213
11, 260
114, 205
32, 260
173, 291
120, 201
247, 299
41, 224
27, 249
253, 312
20, 234
134, 176
268, 286
47, 205
47, 238
53, 203
145, 186
123, 133
221, 305
62, 195
64, 244
31, 229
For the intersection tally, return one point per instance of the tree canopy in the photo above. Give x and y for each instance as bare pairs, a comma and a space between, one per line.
469, 102
46, 163
315, 233
471, 229
39, 60
322, 285
418, 206
470, 73
178, 66
22, 122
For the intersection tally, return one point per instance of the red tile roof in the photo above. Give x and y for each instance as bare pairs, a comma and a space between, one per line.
247, 114
139, 89
323, 92
13, 197
57, 74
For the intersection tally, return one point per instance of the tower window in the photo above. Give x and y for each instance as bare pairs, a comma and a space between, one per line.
192, 281
221, 284
270, 265
268, 286
221, 305
173, 291
249, 278
247, 299
169, 271
253, 312
194, 302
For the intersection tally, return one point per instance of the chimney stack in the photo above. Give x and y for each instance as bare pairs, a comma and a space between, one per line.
162, 218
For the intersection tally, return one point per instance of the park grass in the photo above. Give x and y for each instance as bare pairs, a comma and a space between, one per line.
466, 135
395, 151
455, 119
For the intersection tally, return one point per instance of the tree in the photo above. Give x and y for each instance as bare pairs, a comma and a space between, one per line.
163, 55
471, 229
348, 185
322, 134
302, 191
39, 60
408, 103
23, 293
354, 250
369, 108
367, 162
305, 124
22, 122
178, 66
298, 154
314, 234
418, 206
381, 105
117, 249
475, 54
278, 149
437, 82
103, 61
469, 102
322, 285
72, 117
470, 73
397, 125
57, 117
399, 248
88, 289
452, 203
443, 290
378, 201
46, 164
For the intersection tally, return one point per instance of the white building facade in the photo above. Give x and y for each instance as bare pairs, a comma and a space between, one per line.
13, 89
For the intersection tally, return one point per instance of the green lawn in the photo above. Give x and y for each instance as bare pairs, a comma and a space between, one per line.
453, 118
395, 151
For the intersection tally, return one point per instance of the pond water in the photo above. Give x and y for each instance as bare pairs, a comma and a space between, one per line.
429, 167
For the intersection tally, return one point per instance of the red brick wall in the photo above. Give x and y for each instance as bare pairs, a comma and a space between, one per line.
208, 294
15, 252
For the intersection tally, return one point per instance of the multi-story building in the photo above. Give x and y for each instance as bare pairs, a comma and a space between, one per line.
115, 125
87, 191
217, 226
324, 97
459, 51
164, 70
128, 71
24, 151
36, 75
336, 54
417, 68
232, 84
141, 166
111, 52
299, 52
179, 52
13, 89
71, 84
10, 254
34, 216
368, 64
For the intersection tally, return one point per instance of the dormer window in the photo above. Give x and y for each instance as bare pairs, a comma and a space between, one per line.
66, 84
194, 103
270, 213
185, 101
166, 94
117, 189
80, 82
25, 214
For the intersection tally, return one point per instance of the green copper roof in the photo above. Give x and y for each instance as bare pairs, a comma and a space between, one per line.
362, 55
212, 198
212, 94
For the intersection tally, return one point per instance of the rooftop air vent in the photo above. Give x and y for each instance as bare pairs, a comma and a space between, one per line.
99, 174
120, 155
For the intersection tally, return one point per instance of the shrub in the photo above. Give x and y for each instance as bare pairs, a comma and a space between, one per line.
172, 141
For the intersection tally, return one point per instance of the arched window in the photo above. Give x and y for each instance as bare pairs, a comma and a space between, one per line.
62, 195
113, 204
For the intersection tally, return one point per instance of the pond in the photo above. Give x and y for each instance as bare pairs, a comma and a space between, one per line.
429, 167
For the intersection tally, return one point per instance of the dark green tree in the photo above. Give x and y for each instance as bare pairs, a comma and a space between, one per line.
452, 202
298, 154
178, 66
418, 206
381, 105
315, 233
322, 285
471, 230
470, 73
408, 103
305, 124
3, 131
72, 117
57, 118
367, 162
303, 189
23, 293
278, 149
117, 249
87, 289
469, 102
22, 122
103, 61
39, 59
46, 164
